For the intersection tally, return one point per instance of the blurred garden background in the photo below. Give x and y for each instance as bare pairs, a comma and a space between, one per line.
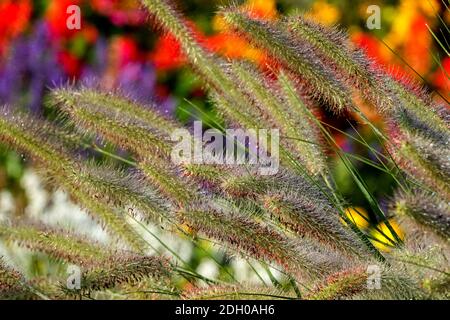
116, 47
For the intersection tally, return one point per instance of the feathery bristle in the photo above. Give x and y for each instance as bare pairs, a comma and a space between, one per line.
54, 161
354, 284
123, 128
272, 107
289, 221
248, 184
208, 176
232, 111
112, 219
172, 22
414, 123
413, 112
409, 105
168, 182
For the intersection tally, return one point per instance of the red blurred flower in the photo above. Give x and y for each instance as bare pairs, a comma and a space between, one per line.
14, 19
441, 76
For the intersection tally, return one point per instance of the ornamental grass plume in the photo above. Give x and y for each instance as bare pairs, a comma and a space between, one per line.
297, 58
12, 285
426, 209
242, 292
294, 221
120, 270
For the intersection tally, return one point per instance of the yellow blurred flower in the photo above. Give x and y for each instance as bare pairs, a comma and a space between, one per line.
358, 216
324, 12
383, 238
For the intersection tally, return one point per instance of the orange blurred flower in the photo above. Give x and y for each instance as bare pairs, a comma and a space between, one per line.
56, 16
120, 12
358, 216
409, 35
258, 9
167, 54
384, 239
